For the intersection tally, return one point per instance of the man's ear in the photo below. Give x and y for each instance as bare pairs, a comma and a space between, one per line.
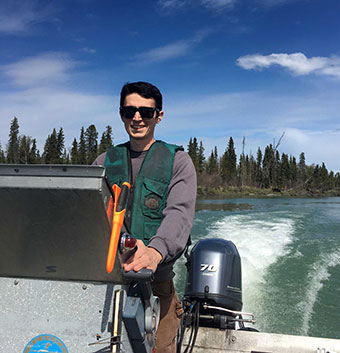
160, 116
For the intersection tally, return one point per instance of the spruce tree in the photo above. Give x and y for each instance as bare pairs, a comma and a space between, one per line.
285, 170
200, 158
212, 164
61, 146
302, 168
24, 149
258, 168
82, 157
74, 152
13, 142
51, 153
228, 169
293, 171
91, 136
2, 155
106, 140
34, 157
242, 170
324, 179
268, 165
193, 152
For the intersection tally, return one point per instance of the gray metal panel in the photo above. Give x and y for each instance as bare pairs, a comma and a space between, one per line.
229, 341
74, 312
53, 223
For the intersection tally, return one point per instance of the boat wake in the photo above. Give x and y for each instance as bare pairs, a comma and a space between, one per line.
260, 241
317, 277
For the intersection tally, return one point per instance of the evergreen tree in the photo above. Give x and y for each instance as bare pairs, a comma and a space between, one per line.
200, 158
61, 146
277, 179
258, 168
91, 136
252, 174
74, 152
331, 180
268, 165
25, 143
106, 140
285, 170
82, 158
2, 155
293, 171
315, 183
193, 152
302, 168
34, 157
228, 169
324, 179
212, 164
242, 170
13, 142
51, 153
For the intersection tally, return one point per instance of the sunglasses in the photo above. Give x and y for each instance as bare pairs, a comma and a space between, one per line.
129, 112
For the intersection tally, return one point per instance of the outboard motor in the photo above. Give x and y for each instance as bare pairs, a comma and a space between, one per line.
213, 289
214, 274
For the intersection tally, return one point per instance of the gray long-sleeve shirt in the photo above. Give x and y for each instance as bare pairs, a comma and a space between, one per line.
173, 233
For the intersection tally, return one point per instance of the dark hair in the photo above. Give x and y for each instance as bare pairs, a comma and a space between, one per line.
144, 89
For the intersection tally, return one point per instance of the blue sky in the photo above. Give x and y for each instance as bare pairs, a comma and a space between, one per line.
252, 68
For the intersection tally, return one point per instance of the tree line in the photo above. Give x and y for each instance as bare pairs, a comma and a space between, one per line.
268, 169
22, 149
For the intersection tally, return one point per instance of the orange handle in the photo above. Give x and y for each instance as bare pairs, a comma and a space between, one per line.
117, 223
115, 235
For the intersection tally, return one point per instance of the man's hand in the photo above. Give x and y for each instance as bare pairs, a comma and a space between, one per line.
144, 257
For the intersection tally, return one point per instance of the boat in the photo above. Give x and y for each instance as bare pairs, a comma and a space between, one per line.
58, 295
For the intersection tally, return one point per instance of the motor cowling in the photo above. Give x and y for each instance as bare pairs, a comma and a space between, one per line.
214, 274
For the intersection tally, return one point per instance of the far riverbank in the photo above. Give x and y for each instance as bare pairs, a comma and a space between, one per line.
247, 191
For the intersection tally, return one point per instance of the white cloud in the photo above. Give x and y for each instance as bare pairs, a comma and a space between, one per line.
172, 4
17, 17
42, 69
88, 50
276, 2
296, 63
218, 4
172, 50
163, 53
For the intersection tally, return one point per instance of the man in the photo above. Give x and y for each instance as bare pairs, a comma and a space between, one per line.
161, 207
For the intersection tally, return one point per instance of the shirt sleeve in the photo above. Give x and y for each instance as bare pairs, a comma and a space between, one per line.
100, 160
173, 233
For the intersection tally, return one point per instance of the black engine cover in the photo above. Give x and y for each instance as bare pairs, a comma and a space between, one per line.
214, 274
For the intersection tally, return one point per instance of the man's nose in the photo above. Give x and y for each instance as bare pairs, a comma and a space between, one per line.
137, 116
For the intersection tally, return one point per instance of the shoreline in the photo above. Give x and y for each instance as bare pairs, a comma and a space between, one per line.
254, 192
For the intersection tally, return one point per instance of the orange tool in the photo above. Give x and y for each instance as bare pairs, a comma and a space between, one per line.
121, 197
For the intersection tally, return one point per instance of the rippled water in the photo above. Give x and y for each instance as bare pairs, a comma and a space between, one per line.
290, 251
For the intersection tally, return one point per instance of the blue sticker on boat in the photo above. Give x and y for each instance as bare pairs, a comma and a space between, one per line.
45, 343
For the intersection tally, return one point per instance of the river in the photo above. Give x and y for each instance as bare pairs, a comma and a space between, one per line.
290, 251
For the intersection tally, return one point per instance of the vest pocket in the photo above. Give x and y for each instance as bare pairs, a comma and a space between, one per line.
153, 198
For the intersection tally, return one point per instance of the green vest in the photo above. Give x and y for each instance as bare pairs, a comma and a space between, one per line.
149, 193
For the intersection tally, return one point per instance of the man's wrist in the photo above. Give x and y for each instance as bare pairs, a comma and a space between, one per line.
158, 255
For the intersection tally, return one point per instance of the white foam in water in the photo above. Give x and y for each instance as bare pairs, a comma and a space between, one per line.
317, 276
260, 242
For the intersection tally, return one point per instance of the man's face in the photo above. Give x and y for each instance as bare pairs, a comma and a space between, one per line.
138, 128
